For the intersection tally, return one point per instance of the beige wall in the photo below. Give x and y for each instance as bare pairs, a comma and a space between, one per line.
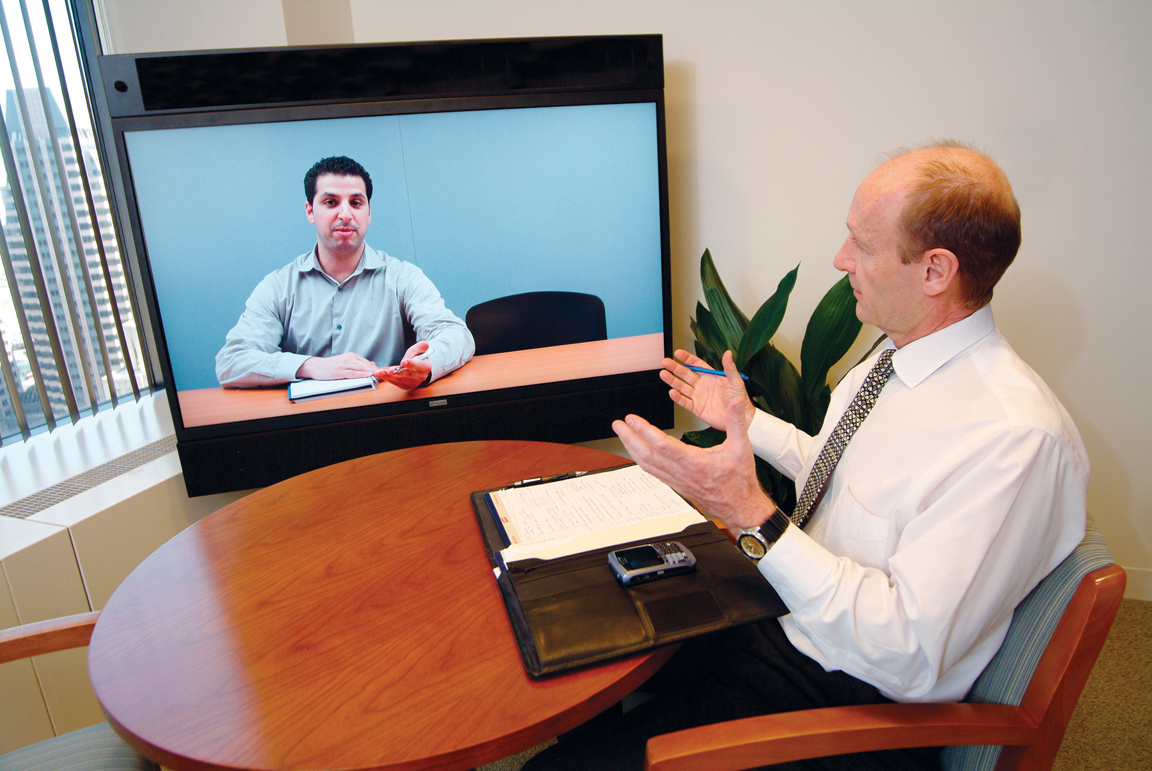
67, 559
777, 109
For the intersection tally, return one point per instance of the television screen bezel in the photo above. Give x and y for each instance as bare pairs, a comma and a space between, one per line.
252, 453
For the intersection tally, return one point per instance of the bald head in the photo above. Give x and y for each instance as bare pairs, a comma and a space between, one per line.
958, 199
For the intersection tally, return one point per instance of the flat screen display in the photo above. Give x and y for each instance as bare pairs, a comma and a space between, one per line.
490, 195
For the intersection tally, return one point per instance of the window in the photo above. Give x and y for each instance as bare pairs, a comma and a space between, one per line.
70, 341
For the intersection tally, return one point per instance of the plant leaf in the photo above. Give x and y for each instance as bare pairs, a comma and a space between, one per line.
707, 356
831, 331
705, 437
767, 320
772, 376
817, 409
729, 321
710, 279
725, 319
708, 335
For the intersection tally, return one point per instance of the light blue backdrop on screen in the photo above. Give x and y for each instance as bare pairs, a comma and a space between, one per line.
487, 203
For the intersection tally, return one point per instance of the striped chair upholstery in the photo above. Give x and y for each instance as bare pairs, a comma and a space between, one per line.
1006, 677
95, 748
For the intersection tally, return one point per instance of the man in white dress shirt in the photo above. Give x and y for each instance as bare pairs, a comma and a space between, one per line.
962, 488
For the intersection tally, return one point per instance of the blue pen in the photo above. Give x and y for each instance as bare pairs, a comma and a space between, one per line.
705, 371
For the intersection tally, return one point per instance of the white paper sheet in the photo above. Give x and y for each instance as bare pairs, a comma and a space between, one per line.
589, 512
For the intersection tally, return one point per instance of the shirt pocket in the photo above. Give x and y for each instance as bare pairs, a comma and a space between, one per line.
852, 530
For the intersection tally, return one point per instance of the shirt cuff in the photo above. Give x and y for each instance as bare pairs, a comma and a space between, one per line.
438, 360
797, 567
287, 366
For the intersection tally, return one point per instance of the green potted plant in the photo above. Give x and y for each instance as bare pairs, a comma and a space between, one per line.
774, 383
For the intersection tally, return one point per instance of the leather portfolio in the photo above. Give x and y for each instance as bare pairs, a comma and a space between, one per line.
570, 612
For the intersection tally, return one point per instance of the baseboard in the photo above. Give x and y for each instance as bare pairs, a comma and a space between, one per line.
1139, 584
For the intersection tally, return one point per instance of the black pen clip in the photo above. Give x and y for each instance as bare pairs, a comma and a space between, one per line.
545, 480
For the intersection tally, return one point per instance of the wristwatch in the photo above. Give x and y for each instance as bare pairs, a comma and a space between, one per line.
756, 541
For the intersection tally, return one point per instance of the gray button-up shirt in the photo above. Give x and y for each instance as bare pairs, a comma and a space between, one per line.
379, 311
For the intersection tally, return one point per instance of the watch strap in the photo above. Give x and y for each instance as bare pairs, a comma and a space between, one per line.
755, 542
775, 526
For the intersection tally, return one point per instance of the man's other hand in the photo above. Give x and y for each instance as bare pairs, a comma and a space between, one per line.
414, 369
340, 367
708, 397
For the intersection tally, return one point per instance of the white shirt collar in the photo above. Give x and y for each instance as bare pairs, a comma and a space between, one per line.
920, 358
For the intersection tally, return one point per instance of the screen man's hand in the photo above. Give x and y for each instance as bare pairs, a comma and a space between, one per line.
412, 371
340, 367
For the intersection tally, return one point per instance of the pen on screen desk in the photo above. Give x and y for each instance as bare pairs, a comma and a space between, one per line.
706, 371
543, 480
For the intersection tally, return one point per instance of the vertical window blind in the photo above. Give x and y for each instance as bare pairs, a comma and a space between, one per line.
68, 329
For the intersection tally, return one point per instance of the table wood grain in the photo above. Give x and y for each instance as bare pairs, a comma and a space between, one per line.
346, 618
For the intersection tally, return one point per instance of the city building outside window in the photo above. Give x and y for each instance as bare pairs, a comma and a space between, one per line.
70, 339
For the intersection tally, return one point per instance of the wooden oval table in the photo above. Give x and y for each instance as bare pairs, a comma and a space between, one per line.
344, 619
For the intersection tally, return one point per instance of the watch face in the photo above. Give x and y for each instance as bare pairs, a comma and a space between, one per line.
751, 546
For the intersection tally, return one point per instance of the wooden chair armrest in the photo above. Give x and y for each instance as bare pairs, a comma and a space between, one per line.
40, 637
759, 741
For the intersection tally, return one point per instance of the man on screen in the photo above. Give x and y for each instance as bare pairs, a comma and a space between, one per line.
343, 309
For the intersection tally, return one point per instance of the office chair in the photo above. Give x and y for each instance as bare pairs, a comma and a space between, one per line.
95, 748
1014, 717
536, 320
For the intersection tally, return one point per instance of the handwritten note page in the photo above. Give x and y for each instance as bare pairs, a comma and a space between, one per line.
574, 515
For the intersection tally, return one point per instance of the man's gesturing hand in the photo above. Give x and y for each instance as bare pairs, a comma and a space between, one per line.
720, 480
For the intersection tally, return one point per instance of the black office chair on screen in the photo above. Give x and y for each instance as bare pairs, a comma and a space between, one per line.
536, 320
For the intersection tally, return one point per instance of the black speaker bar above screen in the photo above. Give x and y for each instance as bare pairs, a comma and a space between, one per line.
144, 84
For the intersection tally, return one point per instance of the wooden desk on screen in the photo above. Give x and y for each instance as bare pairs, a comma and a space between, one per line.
208, 406
346, 618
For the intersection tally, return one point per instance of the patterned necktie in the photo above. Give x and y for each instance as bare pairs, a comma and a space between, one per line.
833, 448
